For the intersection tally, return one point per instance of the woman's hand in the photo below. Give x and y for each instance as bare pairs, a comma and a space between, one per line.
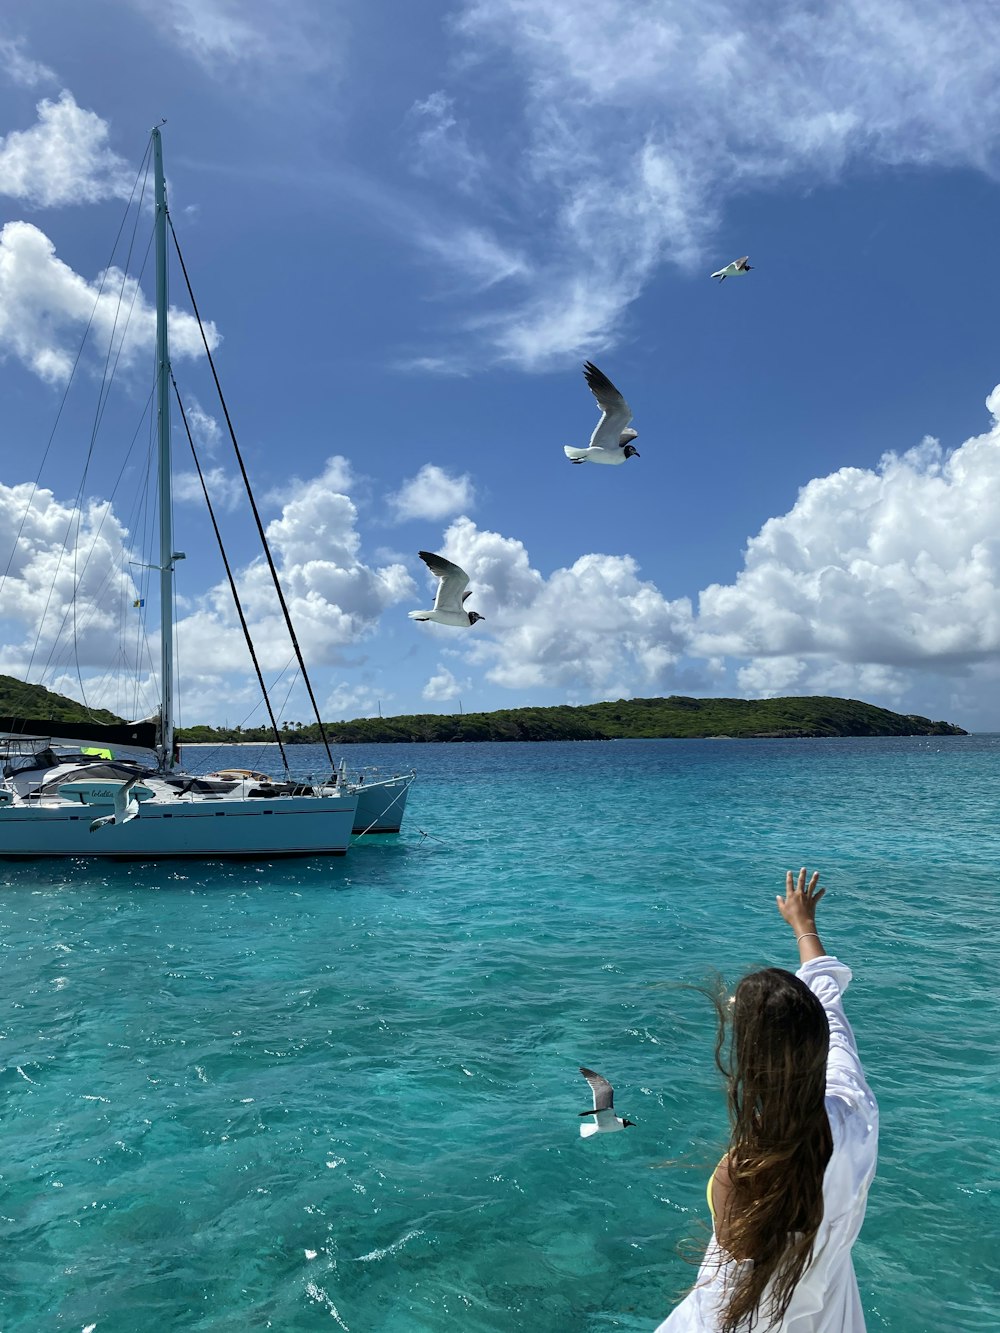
798, 907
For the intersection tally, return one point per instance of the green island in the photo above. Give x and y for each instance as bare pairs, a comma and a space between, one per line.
676, 717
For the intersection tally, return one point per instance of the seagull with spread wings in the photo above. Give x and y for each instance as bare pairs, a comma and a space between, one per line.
449, 602
126, 806
605, 1120
612, 439
731, 270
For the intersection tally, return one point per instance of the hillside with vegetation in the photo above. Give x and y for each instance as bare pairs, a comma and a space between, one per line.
36, 702
676, 717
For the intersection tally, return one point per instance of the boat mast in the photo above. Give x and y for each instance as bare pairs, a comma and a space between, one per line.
167, 556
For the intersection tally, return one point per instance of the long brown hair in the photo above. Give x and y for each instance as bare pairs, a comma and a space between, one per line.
780, 1141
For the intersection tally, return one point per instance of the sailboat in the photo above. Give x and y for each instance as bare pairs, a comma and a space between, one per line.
118, 791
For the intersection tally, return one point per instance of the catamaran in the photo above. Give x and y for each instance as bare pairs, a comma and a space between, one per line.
117, 789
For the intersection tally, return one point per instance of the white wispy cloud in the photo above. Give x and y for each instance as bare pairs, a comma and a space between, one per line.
433, 494
20, 68
633, 147
440, 145
45, 307
63, 158
293, 37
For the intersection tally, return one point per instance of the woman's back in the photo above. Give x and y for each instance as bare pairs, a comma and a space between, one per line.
825, 1296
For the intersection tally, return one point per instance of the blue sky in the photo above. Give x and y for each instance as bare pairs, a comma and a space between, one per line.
409, 225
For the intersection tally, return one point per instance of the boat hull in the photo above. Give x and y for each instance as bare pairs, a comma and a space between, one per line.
381, 805
207, 829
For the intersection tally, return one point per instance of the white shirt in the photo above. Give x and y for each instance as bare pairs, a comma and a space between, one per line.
826, 1298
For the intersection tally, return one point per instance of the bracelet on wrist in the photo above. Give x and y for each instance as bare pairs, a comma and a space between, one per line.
809, 935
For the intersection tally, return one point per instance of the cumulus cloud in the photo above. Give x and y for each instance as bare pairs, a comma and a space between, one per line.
63, 159
443, 686
871, 573
628, 155
595, 629
335, 598
48, 593
45, 307
433, 494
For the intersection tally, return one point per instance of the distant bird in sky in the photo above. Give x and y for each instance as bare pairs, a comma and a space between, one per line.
605, 1120
611, 440
731, 270
449, 603
126, 806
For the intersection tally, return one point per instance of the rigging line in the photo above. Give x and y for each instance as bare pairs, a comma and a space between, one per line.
96, 596
102, 401
69, 527
229, 575
76, 363
146, 550
253, 504
107, 380
86, 563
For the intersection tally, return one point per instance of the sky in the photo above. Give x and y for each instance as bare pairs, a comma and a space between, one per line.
407, 227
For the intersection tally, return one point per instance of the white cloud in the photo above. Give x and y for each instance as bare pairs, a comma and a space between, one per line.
288, 35
444, 686
45, 306
473, 251
432, 494
225, 489
46, 591
347, 702
337, 475
871, 573
632, 148
334, 597
594, 629
63, 159
19, 67
204, 427
440, 143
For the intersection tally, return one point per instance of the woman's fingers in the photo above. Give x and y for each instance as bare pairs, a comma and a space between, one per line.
795, 885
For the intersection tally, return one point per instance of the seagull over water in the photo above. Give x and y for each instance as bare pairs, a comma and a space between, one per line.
731, 270
612, 439
449, 603
605, 1120
126, 806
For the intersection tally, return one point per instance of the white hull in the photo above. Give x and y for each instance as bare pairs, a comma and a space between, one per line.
207, 828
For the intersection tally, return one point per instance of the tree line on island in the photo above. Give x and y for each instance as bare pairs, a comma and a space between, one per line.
675, 717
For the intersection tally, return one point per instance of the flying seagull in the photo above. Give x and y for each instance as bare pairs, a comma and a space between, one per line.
611, 441
605, 1120
731, 270
449, 603
126, 806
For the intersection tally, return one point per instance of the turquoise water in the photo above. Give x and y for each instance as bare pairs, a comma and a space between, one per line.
342, 1094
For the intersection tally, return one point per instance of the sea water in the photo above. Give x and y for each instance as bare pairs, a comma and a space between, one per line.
343, 1093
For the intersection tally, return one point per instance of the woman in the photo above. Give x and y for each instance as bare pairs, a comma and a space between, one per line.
788, 1198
